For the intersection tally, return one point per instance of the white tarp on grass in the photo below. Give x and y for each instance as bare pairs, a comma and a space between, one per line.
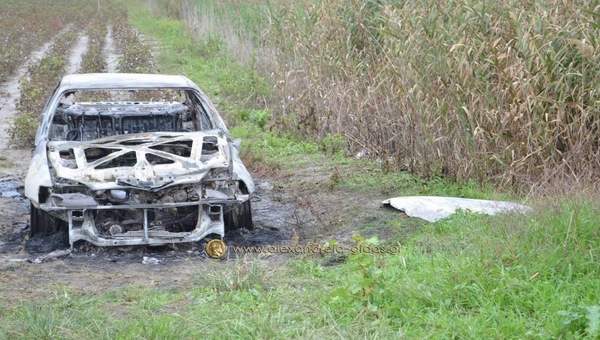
434, 208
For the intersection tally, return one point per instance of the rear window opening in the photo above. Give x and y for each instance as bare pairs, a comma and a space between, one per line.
91, 115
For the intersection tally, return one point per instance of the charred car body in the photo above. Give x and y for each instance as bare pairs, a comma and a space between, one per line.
131, 159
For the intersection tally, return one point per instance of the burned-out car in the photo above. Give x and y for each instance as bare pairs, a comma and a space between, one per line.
132, 159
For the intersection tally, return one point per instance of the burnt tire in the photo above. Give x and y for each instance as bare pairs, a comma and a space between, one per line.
43, 223
239, 217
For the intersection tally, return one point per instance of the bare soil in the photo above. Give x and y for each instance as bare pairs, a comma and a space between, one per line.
77, 52
90, 269
112, 59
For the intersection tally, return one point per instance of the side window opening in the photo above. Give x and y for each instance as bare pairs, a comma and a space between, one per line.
205, 123
201, 115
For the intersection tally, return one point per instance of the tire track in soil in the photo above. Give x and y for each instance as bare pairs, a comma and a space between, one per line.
76, 56
112, 59
11, 88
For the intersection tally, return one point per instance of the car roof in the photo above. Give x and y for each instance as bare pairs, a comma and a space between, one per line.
123, 81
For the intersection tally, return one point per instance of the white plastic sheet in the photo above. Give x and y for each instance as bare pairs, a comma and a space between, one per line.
434, 208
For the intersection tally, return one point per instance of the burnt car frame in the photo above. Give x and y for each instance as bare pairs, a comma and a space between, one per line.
120, 170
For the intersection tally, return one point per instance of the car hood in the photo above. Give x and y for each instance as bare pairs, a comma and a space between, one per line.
148, 161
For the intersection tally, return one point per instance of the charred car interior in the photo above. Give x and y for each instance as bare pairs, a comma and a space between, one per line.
128, 159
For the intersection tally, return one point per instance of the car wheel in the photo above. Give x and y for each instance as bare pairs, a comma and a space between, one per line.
43, 223
239, 217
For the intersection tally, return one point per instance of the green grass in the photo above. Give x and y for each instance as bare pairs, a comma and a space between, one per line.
469, 276
207, 64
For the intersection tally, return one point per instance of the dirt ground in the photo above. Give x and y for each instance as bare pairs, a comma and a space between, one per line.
90, 269
282, 206
294, 203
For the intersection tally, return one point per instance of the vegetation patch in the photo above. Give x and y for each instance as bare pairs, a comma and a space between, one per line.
36, 88
94, 60
27, 26
135, 55
492, 91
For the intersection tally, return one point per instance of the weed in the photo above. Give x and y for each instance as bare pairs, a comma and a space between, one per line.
583, 321
260, 118
369, 288
243, 274
334, 143
334, 179
42, 322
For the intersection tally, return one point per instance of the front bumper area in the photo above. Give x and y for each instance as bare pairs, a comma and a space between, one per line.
82, 222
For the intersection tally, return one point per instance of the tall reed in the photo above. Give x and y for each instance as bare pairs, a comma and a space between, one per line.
502, 91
